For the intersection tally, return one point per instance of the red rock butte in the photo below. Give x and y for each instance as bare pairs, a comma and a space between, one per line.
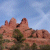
40, 37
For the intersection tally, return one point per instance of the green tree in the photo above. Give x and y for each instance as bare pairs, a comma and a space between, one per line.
34, 46
1, 47
18, 35
1, 36
45, 47
27, 47
17, 46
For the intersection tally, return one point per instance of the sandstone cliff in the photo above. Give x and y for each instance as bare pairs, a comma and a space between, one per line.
37, 36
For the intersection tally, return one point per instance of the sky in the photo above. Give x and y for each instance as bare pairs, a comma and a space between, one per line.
37, 12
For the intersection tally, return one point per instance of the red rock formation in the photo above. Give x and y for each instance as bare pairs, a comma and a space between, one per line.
24, 24
6, 23
46, 34
41, 34
27, 33
38, 41
39, 37
12, 23
24, 21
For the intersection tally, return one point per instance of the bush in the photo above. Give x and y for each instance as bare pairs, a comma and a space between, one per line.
29, 29
30, 36
45, 47
34, 46
1, 36
5, 40
18, 35
27, 47
1, 47
16, 31
17, 46
33, 32
35, 37
1, 39
0, 42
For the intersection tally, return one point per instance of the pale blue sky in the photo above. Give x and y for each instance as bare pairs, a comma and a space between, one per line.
36, 11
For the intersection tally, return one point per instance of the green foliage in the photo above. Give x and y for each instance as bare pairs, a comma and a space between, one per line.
33, 32
5, 40
27, 47
17, 46
1, 36
35, 37
30, 36
0, 42
34, 46
18, 35
1, 47
1, 39
45, 47
29, 29
6, 47
16, 31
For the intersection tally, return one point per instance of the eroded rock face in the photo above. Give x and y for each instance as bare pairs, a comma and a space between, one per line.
24, 21
12, 23
6, 23
24, 24
38, 41
45, 34
39, 37
41, 34
23, 27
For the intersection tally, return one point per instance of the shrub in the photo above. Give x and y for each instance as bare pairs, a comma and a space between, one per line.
5, 40
1, 36
29, 29
34, 46
33, 32
27, 47
1, 39
35, 37
45, 47
18, 35
1, 47
0, 42
17, 46
30, 36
